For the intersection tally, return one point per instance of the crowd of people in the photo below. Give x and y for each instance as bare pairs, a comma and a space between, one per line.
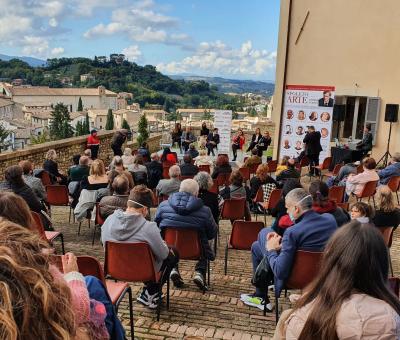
350, 288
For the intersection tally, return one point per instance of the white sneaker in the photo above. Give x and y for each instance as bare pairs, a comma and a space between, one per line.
148, 300
255, 301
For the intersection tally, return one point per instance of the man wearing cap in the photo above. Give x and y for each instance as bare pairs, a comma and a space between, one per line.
310, 231
132, 226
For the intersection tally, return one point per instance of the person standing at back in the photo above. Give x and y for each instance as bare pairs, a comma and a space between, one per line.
93, 143
118, 140
313, 147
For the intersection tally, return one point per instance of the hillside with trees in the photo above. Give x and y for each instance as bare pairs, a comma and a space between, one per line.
147, 85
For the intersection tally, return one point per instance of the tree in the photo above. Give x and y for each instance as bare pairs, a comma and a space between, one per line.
86, 125
110, 120
60, 126
207, 115
125, 125
79, 129
252, 112
143, 133
40, 139
80, 105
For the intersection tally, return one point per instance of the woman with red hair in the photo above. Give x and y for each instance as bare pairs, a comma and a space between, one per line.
237, 143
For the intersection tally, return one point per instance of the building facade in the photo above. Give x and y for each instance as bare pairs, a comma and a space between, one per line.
352, 45
98, 98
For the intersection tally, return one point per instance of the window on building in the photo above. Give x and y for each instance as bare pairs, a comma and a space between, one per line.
101, 120
359, 111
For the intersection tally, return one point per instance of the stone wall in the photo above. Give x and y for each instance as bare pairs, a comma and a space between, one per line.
65, 149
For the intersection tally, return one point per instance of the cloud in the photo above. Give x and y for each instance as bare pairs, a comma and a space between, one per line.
141, 22
217, 58
57, 51
132, 52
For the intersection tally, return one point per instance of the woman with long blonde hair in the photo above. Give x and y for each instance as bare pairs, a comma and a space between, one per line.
387, 214
97, 178
51, 166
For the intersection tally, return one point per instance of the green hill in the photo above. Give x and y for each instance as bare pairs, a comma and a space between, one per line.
147, 85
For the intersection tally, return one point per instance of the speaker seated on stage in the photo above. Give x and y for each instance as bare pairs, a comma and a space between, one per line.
366, 143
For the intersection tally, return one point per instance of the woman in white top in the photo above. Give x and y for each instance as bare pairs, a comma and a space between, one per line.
127, 157
203, 159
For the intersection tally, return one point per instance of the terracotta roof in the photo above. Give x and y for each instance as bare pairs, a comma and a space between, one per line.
77, 114
47, 91
41, 114
194, 110
154, 111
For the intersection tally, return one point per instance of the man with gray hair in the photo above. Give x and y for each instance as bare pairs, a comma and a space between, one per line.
154, 171
393, 169
185, 210
310, 231
169, 186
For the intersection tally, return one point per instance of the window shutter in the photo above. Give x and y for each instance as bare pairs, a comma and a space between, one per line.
372, 115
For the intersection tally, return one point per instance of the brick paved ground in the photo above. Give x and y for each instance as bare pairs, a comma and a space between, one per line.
217, 314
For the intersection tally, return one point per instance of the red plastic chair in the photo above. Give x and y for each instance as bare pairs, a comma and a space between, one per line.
133, 262
303, 162
253, 168
272, 165
335, 171
336, 193
187, 243
258, 199
45, 178
394, 185
57, 195
89, 265
325, 165
165, 173
305, 268
214, 187
343, 205
205, 168
273, 200
243, 234
49, 236
387, 234
223, 179
245, 172
233, 209
98, 222
368, 192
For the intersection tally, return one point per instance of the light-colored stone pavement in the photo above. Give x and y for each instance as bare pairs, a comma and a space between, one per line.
217, 314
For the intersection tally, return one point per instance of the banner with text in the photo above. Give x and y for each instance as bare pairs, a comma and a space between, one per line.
306, 106
223, 122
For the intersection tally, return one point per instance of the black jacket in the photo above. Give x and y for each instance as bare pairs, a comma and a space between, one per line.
321, 102
264, 143
212, 138
51, 167
288, 173
227, 169
189, 169
118, 139
210, 199
204, 131
27, 194
154, 173
387, 219
253, 138
313, 143
366, 143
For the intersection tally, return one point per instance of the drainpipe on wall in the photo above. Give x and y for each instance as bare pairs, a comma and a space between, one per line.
284, 74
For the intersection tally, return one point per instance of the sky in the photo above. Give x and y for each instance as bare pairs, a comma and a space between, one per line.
229, 38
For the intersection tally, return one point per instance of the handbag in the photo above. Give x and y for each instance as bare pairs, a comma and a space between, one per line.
263, 274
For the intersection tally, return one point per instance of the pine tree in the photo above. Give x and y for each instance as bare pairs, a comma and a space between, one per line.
110, 120
86, 125
143, 133
207, 115
3, 135
125, 125
79, 129
60, 126
80, 105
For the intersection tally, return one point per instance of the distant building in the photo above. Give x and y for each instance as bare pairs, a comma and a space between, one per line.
131, 116
87, 77
97, 118
133, 106
117, 58
155, 115
122, 99
102, 59
98, 98
194, 114
9, 109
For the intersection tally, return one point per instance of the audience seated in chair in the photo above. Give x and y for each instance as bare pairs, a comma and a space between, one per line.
350, 298
310, 232
187, 168
185, 210
222, 166
51, 166
192, 151
203, 159
120, 168
387, 215
127, 157
131, 226
393, 169
210, 199
154, 171
344, 172
33, 182
362, 212
169, 186
323, 205
253, 159
290, 172
262, 180
355, 183
282, 166
118, 198
144, 151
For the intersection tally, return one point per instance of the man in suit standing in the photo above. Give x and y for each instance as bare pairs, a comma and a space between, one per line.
313, 147
326, 100
366, 143
212, 141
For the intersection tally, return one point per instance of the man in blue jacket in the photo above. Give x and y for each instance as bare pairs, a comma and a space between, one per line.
393, 169
310, 231
185, 210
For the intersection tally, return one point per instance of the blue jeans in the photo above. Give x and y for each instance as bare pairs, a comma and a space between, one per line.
258, 252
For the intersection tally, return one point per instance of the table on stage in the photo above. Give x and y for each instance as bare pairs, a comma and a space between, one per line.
338, 154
